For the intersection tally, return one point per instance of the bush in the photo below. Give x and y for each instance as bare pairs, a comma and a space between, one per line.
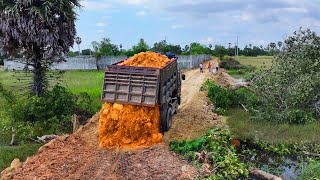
47, 114
224, 98
290, 90
221, 97
215, 149
230, 63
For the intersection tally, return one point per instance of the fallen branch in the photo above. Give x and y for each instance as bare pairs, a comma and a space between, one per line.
45, 138
244, 107
311, 154
263, 175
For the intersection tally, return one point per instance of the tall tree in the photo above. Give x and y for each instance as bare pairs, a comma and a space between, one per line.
42, 29
279, 44
220, 51
289, 91
186, 49
78, 41
105, 48
164, 47
142, 46
197, 48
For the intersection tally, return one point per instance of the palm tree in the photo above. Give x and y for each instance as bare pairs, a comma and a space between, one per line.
280, 44
78, 41
38, 28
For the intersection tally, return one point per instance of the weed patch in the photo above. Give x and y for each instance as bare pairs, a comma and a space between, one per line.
214, 149
8, 153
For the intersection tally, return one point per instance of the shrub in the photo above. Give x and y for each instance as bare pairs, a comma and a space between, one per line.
224, 98
290, 89
214, 148
47, 114
230, 63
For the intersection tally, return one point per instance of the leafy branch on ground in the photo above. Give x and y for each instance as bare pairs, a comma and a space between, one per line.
214, 149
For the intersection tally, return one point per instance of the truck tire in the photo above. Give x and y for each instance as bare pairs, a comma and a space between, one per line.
169, 119
163, 118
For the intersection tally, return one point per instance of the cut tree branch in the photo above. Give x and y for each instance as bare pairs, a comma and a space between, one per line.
263, 175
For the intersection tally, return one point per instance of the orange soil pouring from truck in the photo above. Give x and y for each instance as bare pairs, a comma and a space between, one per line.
130, 125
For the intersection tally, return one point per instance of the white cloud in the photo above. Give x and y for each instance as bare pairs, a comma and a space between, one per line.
256, 42
141, 13
177, 26
207, 40
95, 5
244, 17
134, 2
101, 24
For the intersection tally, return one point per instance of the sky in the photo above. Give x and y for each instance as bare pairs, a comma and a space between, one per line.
216, 22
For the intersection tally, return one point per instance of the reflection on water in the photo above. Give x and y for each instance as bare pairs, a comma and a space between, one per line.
287, 167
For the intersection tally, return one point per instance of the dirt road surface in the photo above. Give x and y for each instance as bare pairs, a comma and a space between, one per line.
77, 156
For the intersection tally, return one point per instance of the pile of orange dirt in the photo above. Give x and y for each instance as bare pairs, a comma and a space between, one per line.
130, 126
147, 59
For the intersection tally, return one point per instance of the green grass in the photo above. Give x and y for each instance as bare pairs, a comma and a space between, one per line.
240, 123
85, 81
312, 171
236, 73
256, 57
77, 81
259, 61
8, 153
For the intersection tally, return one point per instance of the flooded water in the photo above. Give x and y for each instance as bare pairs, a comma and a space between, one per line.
287, 167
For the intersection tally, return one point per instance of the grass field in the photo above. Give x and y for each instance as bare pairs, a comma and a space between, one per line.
85, 81
76, 81
244, 128
259, 61
8, 153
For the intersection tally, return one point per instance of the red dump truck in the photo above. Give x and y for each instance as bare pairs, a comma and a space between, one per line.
145, 86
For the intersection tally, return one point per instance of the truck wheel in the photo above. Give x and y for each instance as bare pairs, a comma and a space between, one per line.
163, 118
169, 119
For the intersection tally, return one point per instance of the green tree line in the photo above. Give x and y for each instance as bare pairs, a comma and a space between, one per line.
106, 48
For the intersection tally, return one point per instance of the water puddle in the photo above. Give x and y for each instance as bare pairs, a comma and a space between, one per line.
287, 167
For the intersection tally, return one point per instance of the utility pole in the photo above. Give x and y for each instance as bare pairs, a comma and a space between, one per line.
237, 46
235, 49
